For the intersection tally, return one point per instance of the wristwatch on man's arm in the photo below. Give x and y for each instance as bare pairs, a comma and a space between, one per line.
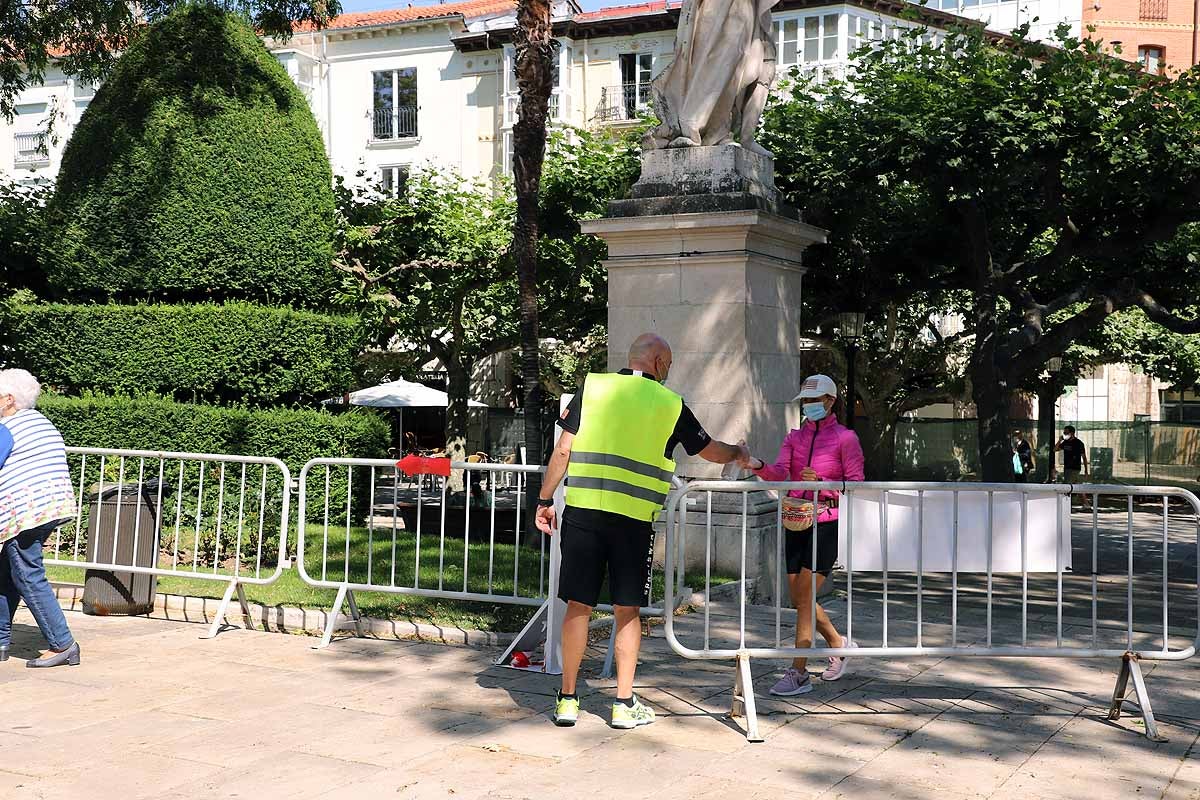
545, 502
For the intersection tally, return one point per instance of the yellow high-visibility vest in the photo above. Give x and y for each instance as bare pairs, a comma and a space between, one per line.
617, 459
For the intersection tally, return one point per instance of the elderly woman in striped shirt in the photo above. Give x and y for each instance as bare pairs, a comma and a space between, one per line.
35, 498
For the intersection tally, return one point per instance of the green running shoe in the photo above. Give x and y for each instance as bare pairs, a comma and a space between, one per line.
566, 711
626, 717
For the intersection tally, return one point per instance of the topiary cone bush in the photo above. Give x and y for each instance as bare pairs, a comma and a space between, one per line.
197, 172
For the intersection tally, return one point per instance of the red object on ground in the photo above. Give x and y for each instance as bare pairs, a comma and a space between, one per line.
519, 659
421, 465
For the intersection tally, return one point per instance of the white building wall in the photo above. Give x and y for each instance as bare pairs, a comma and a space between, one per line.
1043, 16
467, 100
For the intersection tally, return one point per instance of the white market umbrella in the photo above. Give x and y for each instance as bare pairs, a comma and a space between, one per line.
404, 394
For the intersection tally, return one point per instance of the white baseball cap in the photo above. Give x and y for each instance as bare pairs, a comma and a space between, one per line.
815, 386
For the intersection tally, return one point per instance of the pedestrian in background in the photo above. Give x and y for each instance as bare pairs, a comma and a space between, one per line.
1075, 460
1023, 451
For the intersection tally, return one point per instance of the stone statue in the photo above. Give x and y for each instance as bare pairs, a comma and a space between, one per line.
715, 90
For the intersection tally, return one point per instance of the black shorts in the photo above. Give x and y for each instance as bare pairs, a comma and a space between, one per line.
798, 549
597, 542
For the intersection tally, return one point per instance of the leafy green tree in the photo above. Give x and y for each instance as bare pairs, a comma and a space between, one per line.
21, 215
84, 38
430, 269
1130, 337
1053, 186
907, 358
433, 267
196, 173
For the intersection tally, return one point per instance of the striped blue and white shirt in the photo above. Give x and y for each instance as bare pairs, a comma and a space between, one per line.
35, 482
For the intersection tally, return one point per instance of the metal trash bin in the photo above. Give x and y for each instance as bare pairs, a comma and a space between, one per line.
136, 525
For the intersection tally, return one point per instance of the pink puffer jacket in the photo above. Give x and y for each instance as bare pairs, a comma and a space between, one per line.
830, 448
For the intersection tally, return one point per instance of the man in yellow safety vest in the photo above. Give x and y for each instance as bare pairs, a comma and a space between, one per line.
618, 436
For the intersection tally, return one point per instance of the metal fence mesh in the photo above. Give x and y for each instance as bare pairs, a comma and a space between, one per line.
1133, 453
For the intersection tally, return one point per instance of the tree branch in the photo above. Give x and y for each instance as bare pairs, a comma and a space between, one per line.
924, 397
1029, 359
1135, 297
356, 269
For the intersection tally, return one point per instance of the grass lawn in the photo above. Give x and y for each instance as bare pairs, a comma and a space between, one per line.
372, 561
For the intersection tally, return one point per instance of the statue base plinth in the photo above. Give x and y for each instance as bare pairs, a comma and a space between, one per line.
694, 180
724, 288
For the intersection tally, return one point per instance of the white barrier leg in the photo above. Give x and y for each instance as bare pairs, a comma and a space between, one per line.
743, 698
354, 615
545, 626
241, 593
1131, 667
331, 623
219, 619
555, 609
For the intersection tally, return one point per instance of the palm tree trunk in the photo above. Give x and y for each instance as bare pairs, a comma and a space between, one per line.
534, 52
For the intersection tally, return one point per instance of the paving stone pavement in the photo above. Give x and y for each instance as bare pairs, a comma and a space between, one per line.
156, 712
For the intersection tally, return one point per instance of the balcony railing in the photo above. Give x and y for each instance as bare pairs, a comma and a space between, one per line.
395, 123
30, 150
512, 104
824, 72
1152, 10
623, 103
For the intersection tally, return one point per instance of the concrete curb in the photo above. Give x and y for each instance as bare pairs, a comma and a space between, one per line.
294, 619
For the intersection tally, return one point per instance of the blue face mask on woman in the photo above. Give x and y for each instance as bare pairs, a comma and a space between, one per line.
815, 412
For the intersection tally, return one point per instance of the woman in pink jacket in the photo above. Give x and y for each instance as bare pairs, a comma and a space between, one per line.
822, 449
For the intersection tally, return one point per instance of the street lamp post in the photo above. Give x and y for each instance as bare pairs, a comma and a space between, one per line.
1047, 421
850, 325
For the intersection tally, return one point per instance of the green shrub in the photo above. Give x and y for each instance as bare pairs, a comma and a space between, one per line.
197, 172
294, 437
230, 353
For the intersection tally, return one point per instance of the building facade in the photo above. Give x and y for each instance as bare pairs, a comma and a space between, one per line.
424, 85
1161, 35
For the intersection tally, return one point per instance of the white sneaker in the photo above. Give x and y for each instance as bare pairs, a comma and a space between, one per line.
838, 666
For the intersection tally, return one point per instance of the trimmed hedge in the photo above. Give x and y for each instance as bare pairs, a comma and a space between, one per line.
293, 436
196, 173
222, 353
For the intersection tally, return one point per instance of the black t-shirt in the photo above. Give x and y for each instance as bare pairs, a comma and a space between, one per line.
1072, 450
688, 433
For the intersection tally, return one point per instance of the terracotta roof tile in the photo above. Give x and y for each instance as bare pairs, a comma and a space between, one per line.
654, 7
391, 16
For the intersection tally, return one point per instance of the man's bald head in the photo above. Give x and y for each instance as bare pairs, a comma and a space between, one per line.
651, 353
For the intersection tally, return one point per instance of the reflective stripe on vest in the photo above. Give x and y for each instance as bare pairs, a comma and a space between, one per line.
618, 462
610, 460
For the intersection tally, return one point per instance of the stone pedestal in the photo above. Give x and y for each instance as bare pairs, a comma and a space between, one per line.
715, 268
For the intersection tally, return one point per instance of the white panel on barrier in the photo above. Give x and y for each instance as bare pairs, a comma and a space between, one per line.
902, 519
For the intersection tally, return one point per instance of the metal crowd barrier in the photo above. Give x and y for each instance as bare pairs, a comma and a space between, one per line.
365, 526
956, 549
200, 516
